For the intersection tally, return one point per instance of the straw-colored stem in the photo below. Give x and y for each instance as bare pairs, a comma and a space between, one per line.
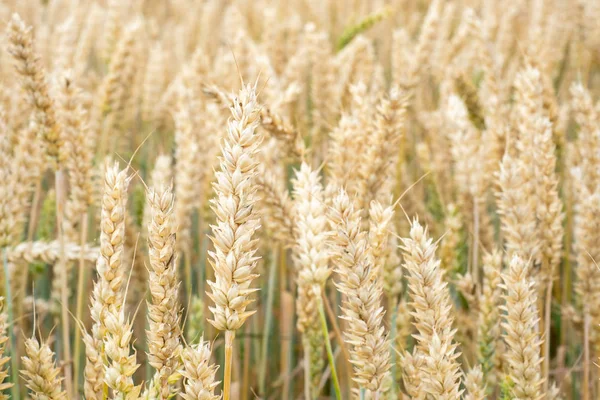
586, 357
81, 298
547, 326
229, 338
31, 227
307, 368
268, 321
246, 366
60, 182
566, 278
476, 241
394, 308
362, 393
11, 329
188, 273
330, 357
287, 321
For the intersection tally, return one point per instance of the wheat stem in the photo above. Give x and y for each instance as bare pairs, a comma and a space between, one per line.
307, 368
81, 281
268, 321
229, 338
547, 334
60, 182
14, 371
330, 358
586, 357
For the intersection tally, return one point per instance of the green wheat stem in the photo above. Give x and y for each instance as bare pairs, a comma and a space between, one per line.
268, 321
330, 358
363, 393
13, 340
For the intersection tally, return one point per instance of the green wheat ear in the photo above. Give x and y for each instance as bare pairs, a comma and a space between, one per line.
506, 388
361, 26
195, 328
47, 222
467, 90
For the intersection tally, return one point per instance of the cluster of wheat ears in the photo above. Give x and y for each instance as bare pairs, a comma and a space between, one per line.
300, 199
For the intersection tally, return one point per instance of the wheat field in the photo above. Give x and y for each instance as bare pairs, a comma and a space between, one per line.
300, 199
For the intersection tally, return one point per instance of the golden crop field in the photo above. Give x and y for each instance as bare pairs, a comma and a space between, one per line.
300, 199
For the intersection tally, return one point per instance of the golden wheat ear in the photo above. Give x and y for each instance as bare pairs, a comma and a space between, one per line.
164, 310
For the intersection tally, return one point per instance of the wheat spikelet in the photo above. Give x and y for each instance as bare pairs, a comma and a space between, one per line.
93, 386
474, 384
109, 289
278, 211
198, 373
186, 152
116, 82
430, 300
411, 375
523, 344
111, 330
78, 149
363, 291
3, 358
195, 323
40, 373
33, 76
488, 328
587, 118
48, 252
311, 257
233, 259
164, 310
516, 209
549, 208
382, 151
154, 82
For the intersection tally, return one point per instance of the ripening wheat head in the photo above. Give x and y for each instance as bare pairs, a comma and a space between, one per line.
430, 299
198, 373
40, 373
163, 310
234, 259
362, 288
521, 332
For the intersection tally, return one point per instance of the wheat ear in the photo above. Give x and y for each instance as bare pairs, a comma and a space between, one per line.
164, 309
311, 257
430, 299
40, 373
234, 260
362, 288
521, 335
198, 373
